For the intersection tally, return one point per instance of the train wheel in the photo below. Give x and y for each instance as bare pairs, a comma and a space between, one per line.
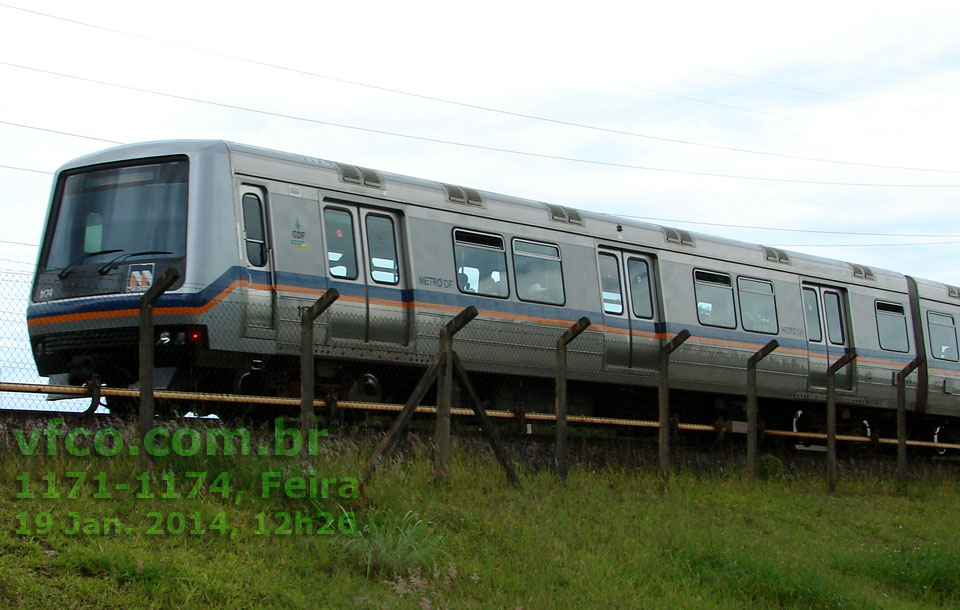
803, 421
947, 435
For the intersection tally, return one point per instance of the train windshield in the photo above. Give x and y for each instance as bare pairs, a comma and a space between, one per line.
125, 210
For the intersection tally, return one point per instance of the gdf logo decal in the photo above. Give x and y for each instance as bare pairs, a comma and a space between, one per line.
140, 278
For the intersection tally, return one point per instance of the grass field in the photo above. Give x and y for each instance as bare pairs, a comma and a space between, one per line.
612, 537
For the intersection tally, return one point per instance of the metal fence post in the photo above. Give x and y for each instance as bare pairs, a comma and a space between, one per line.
560, 456
832, 417
161, 285
664, 401
307, 418
752, 363
902, 470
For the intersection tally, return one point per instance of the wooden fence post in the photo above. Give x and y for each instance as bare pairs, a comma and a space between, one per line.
664, 401
752, 363
902, 471
560, 455
847, 358
445, 393
147, 340
307, 417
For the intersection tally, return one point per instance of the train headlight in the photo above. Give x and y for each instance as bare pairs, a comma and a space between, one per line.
164, 338
180, 339
38, 350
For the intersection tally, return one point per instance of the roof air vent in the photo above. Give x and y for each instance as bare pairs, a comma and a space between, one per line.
776, 255
458, 194
953, 292
359, 175
573, 216
564, 214
677, 236
557, 212
863, 272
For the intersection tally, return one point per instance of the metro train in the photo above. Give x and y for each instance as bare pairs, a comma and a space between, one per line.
259, 235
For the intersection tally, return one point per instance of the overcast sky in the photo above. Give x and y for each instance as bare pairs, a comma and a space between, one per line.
756, 91
836, 120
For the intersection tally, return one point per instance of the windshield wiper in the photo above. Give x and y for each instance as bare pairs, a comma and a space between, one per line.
116, 262
66, 270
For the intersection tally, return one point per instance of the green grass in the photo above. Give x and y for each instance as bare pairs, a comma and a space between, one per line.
387, 546
612, 537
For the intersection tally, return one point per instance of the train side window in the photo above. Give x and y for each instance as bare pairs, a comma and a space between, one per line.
714, 292
254, 233
943, 336
539, 275
758, 306
610, 284
811, 314
481, 262
384, 267
639, 272
834, 314
892, 326
341, 252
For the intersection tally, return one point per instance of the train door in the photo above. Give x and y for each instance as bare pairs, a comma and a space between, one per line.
629, 303
828, 333
364, 262
259, 284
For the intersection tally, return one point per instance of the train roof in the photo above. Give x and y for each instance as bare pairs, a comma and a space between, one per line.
246, 159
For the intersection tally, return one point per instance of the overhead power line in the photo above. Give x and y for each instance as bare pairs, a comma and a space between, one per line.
795, 88
464, 145
925, 243
26, 169
776, 84
759, 228
64, 133
19, 243
480, 107
766, 113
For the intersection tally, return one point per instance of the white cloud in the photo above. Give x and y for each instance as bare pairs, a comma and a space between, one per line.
579, 63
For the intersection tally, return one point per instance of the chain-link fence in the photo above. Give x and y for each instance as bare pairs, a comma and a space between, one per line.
16, 356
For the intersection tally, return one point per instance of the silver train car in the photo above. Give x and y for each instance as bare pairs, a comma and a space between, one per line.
258, 235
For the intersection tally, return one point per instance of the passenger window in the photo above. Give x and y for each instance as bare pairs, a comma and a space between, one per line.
811, 314
538, 273
758, 306
341, 252
610, 284
834, 314
639, 273
255, 236
943, 336
481, 263
384, 266
714, 292
892, 327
